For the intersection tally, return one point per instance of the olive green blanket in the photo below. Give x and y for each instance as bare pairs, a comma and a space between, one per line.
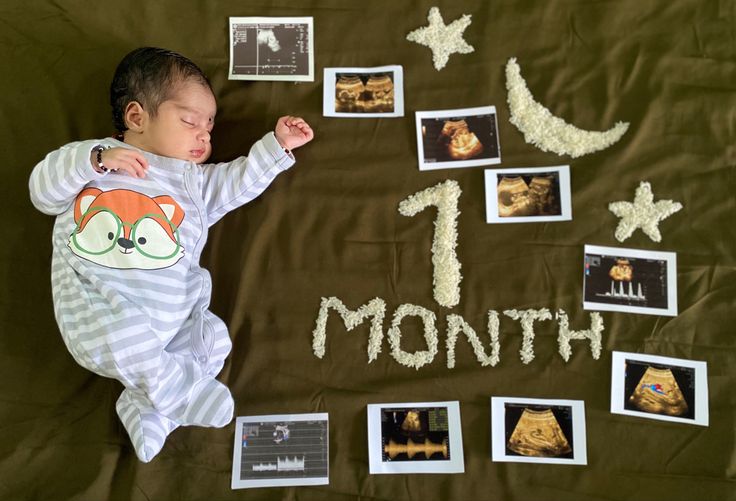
331, 227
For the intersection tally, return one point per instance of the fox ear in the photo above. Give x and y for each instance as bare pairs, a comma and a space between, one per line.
83, 201
172, 209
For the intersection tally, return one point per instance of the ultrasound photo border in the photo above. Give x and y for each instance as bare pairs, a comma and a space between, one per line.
459, 112
491, 188
309, 21
455, 464
330, 81
669, 257
618, 382
498, 431
238, 483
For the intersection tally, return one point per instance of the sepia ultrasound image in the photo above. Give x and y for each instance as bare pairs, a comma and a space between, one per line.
521, 195
626, 281
459, 138
420, 434
660, 389
364, 92
539, 431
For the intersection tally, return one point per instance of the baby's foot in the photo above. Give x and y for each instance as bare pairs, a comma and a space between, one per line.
210, 404
147, 428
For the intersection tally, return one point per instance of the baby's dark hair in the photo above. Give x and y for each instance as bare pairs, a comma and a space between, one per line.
148, 75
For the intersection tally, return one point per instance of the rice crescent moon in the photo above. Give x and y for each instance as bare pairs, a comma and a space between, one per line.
546, 131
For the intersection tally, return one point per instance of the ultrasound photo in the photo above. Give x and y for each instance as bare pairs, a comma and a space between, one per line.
271, 49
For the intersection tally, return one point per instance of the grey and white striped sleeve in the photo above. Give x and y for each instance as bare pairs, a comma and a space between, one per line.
227, 186
59, 177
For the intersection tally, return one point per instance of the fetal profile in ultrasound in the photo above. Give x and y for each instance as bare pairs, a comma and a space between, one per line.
466, 137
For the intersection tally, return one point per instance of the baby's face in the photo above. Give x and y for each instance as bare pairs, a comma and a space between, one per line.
182, 126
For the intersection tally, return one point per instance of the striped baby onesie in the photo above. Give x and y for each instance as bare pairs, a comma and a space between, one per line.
130, 297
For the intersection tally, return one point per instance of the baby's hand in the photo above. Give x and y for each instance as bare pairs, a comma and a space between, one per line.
292, 132
122, 159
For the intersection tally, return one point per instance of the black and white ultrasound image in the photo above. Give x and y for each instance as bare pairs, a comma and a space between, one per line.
271, 49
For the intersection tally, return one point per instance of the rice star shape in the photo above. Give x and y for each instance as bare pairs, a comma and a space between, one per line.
643, 213
442, 39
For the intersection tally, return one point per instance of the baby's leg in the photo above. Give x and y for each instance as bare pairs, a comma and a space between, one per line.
183, 392
162, 389
183, 397
146, 427
210, 402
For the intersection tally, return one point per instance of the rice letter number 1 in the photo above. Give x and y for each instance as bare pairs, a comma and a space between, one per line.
446, 266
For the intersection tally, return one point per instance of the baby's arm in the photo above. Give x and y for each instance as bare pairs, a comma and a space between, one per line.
59, 177
227, 186
126, 160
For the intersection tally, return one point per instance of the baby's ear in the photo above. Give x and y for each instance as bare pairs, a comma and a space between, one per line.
172, 209
134, 116
83, 201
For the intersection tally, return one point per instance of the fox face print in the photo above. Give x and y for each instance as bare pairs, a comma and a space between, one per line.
124, 229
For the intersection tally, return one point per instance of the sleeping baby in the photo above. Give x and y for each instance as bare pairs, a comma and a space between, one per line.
133, 212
